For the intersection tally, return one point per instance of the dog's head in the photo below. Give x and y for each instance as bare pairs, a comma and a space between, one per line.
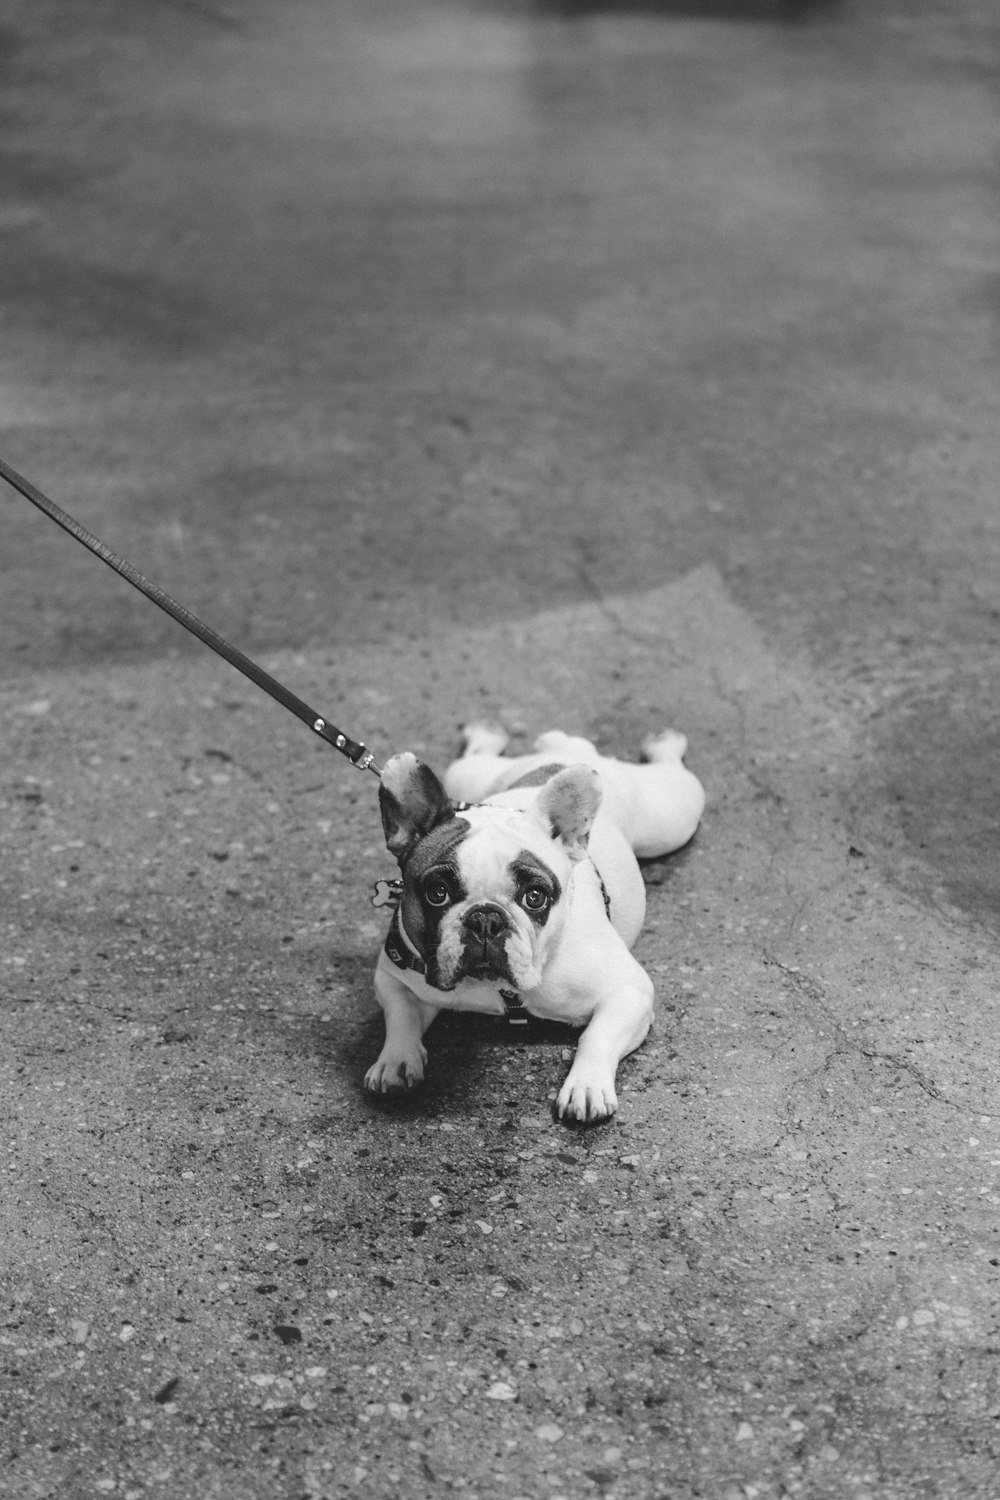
484, 888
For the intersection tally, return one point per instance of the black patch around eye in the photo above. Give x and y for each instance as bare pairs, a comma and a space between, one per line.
531, 875
439, 888
538, 914
421, 920
537, 904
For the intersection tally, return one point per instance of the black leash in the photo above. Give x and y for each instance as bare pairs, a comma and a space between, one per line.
358, 754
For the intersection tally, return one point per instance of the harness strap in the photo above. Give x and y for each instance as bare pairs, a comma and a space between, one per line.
514, 1007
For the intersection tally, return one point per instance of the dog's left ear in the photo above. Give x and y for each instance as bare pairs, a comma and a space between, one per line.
412, 801
568, 804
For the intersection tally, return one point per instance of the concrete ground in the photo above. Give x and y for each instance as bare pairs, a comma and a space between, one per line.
598, 365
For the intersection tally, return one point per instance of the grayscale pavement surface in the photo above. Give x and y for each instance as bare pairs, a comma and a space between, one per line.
601, 366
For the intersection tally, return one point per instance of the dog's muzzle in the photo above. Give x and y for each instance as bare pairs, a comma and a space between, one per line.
485, 930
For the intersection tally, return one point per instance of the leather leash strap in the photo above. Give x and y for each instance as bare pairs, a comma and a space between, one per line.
358, 754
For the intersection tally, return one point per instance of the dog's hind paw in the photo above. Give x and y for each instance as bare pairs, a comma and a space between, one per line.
393, 1073
587, 1100
668, 744
484, 738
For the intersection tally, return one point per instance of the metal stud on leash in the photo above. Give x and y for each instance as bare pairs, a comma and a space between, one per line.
357, 753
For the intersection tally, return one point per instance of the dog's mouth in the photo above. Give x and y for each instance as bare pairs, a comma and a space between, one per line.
494, 968
489, 972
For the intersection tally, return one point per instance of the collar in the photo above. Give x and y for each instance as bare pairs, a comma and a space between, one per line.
399, 948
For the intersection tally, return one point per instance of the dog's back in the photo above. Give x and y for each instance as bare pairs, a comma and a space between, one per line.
656, 805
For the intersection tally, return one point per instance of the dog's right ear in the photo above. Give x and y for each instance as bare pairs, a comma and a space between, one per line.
567, 804
412, 801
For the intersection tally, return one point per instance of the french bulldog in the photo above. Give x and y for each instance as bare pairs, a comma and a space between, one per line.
521, 893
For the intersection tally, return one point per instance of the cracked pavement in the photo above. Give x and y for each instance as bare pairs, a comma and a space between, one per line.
592, 366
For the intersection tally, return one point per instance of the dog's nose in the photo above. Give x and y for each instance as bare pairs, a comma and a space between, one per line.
486, 923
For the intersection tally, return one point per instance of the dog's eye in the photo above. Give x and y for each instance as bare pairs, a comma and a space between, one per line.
436, 893
535, 899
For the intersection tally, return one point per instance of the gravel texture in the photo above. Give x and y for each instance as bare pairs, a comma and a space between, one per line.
592, 367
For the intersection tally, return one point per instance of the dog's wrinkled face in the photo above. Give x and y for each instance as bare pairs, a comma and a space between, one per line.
477, 899
482, 889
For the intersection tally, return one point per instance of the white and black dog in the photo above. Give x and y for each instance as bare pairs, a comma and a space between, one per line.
521, 893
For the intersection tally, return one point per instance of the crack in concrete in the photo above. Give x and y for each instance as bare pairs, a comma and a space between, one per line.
816, 993
603, 601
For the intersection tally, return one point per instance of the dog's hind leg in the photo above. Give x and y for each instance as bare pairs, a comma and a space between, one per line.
566, 748
668, 745
657, 804
481, 764
484, 739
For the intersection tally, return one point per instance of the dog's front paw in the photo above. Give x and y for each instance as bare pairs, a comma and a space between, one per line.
587, 1096
394, 1071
